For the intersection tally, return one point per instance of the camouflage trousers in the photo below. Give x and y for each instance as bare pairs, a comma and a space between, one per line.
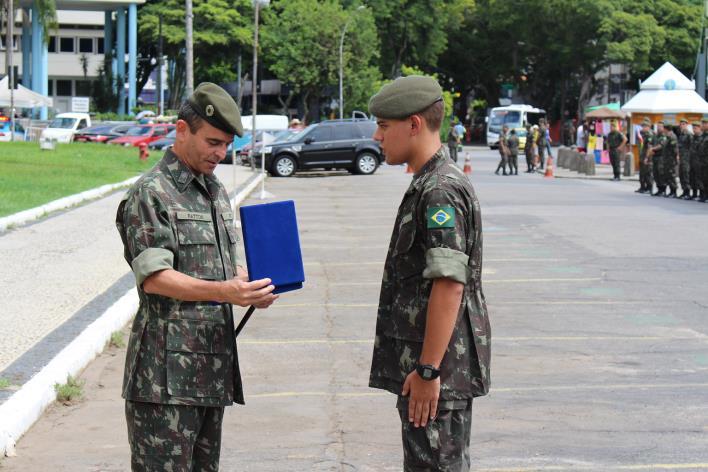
685, 173
514, 162
646, 178
173, 438
658, 172
443, 445
615, 157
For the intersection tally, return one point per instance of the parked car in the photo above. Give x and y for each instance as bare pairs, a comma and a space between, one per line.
335, 144
164, 143
143, 134
62, 128
5, 130
101, 133
270, 138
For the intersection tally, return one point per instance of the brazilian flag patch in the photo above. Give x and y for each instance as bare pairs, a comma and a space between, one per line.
441, 217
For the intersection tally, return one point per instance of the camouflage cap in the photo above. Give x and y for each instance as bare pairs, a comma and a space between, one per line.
696, 123
646, 122
683, 120
217, 108
704, 120
405, 96
660, 122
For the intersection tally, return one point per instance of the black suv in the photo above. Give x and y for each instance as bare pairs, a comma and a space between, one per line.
335, 144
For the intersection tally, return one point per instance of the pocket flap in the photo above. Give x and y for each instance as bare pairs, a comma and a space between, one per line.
195, 232
196, 336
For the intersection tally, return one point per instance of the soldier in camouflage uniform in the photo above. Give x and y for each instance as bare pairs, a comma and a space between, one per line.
541, 143
685, 139
177, 228
513, 145
646, 181
615, 142
702, 170
503, 150
669, 158
696, 142
657, 160
528, 149
432, 345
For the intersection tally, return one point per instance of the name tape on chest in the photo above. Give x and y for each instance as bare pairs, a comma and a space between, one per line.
441, 217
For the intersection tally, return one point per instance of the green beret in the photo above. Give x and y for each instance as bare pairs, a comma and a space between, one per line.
646, 122
217, 108
404, 97
683, 120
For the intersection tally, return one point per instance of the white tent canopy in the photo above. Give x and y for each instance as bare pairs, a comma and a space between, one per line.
24, 97
667, 91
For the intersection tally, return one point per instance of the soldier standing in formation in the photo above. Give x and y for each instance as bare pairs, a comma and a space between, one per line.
528, 149
513, 146
177, 227
685, 139
432, 345
669, 160
503, 150
616, 141
695, 157
646, 181
702, 167
658, 161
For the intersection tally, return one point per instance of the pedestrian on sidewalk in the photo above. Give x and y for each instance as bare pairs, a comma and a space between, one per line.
513, 145
503, 150
615, 142
528, 149
177, 228
432, 345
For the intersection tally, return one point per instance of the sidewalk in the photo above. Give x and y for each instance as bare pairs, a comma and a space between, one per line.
59, 275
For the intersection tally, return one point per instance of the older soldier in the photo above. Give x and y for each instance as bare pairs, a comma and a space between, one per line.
177, 228
432, 345
503, 150
696, 143
685, 139
657, 160
513, 145
645, 165
616, 141
528, 149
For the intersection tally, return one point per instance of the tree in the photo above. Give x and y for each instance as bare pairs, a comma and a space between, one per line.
301, 47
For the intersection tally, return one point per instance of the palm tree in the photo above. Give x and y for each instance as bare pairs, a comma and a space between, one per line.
47, 15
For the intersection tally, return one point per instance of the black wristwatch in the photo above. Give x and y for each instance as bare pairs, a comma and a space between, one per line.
427, 372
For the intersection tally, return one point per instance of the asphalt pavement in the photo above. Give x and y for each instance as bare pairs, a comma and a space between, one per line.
599, 321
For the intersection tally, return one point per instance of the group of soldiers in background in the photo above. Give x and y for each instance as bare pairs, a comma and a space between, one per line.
663, 155
536, 148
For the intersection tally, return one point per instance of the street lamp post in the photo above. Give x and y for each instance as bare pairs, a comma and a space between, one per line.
256, 4
341, 63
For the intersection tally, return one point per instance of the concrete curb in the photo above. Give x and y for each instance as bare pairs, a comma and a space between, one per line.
25, 406
35, 213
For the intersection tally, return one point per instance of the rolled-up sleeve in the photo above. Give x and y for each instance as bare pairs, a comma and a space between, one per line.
149, 239
445, 236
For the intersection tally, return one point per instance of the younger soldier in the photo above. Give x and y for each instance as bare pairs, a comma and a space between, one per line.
616, 141
646, 182
685, 139
696, 143
513, 143
657, 160
503, 150
177, 227
432, 330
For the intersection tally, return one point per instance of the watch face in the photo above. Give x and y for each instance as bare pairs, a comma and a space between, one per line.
427, 373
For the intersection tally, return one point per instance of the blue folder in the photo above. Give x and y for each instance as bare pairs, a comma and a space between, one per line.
272, 244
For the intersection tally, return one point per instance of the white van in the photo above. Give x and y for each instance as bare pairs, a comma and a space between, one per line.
515, 117
265, 122
62, 128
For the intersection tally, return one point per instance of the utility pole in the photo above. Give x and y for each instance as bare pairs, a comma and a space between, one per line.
9, 48
190, 50
160, 98
254, 82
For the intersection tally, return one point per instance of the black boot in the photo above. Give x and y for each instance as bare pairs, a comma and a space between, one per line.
671, 194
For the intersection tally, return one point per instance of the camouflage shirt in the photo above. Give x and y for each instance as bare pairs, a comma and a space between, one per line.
648, 140
696, 143
180, 352
513, 144
685, 140
669, 148
614, 140
437, 233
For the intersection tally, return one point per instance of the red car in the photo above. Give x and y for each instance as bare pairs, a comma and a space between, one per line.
142, 134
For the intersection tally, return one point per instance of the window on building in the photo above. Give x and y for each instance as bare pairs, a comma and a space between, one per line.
66, 45
83, 88
52, 44
3, 41
64, 88
100, 46
86, 45
50, 91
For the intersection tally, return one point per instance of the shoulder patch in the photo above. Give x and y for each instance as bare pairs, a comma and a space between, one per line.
441, 217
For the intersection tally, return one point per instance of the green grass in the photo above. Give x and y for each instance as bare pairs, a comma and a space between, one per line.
4, 383
30, 177
72, 390
116, 340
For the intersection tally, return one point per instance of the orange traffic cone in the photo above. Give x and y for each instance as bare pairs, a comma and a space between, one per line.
468, 164
549, 168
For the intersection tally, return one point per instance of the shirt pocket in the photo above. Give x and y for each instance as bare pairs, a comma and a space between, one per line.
228, 218
197, 358
197, 254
